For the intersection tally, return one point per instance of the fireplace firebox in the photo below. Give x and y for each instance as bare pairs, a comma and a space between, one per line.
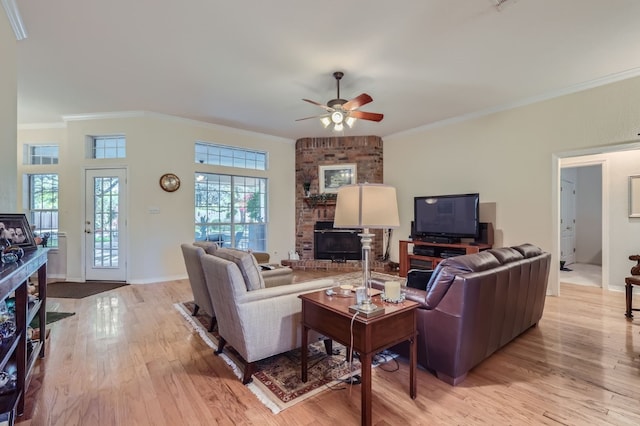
336, 244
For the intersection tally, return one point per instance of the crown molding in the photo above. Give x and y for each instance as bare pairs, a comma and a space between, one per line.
104, 115
40, 126
167, 117
591, 84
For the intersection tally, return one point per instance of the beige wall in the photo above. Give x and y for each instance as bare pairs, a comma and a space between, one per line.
8, 116
157, 145
511, 159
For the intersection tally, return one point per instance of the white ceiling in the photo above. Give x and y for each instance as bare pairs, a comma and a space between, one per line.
248, 63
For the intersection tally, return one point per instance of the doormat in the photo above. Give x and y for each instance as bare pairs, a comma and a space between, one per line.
276, 380
51, 318
74, 290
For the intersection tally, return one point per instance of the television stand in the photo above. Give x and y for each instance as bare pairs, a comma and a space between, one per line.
437, 240
426, 255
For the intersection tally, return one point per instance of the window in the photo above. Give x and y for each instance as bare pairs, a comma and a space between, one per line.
43, 206
40, 154
107, 147
221, 155
231, 210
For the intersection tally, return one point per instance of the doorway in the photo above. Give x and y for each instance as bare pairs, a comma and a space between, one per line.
581, 220
105, 223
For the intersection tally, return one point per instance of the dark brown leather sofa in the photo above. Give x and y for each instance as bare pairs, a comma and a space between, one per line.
475, 304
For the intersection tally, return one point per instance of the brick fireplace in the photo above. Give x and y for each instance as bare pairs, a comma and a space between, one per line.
366, 153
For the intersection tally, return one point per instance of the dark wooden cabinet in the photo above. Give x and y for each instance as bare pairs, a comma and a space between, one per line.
437, 252
14, 279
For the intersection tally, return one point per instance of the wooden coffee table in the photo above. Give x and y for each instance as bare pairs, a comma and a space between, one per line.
330, 316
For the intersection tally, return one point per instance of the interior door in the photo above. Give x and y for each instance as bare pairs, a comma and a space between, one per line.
568, 222
105, 225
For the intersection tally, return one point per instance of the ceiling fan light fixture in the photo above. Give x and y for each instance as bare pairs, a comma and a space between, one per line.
337, 117
325, 121
339, 112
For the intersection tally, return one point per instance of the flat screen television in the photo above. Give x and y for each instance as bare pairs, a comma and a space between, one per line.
446, 218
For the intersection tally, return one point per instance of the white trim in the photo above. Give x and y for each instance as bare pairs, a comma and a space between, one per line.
40, 126
103, 115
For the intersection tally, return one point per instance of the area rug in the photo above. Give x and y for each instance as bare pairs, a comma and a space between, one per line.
51, 318
276, 380
74, 290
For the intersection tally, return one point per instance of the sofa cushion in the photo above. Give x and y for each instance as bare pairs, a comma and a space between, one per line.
448, 269
247, 264
528, 250
506, 254
208, 246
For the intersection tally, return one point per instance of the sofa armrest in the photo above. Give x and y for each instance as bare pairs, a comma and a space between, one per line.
279, 275
413, 294
298, 288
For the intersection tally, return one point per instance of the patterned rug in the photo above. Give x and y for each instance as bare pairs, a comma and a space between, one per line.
276, 380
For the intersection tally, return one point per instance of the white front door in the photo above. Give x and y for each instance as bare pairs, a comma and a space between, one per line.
105, 225
568, 222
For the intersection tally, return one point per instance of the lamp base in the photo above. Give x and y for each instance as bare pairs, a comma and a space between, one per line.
367, 311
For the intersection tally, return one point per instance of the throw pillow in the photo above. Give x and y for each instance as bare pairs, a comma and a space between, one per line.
208, 246
247, 264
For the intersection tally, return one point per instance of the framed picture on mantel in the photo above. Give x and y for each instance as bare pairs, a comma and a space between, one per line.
334, 176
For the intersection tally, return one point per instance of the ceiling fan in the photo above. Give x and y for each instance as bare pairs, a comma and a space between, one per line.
340, 111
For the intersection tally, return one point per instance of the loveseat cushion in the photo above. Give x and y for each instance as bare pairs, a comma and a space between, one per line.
209, 246
261, 257
247, 264
506, 254
448, 269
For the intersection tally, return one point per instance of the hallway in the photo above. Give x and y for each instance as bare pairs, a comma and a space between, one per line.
582, 274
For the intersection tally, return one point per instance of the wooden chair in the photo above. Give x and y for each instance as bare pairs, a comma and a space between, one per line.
629, 282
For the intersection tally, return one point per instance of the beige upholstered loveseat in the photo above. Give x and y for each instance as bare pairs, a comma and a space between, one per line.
256, 320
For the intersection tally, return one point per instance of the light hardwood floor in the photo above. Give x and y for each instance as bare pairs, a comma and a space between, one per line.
128, 358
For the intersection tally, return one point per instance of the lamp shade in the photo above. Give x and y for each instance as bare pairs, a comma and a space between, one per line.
366, 206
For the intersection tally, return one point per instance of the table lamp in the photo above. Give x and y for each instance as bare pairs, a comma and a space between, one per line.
366, 206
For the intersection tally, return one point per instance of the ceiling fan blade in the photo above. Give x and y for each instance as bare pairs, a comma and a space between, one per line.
314, 116
373, 116
357, 102
319, 104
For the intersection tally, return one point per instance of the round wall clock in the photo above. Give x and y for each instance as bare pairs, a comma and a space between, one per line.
169, 182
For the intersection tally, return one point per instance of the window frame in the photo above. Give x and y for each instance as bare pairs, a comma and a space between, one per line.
118, 148
29, 154
242, 229
230, 156
37, 214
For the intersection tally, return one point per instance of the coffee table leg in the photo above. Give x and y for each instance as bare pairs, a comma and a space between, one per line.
365, 360
304, 352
